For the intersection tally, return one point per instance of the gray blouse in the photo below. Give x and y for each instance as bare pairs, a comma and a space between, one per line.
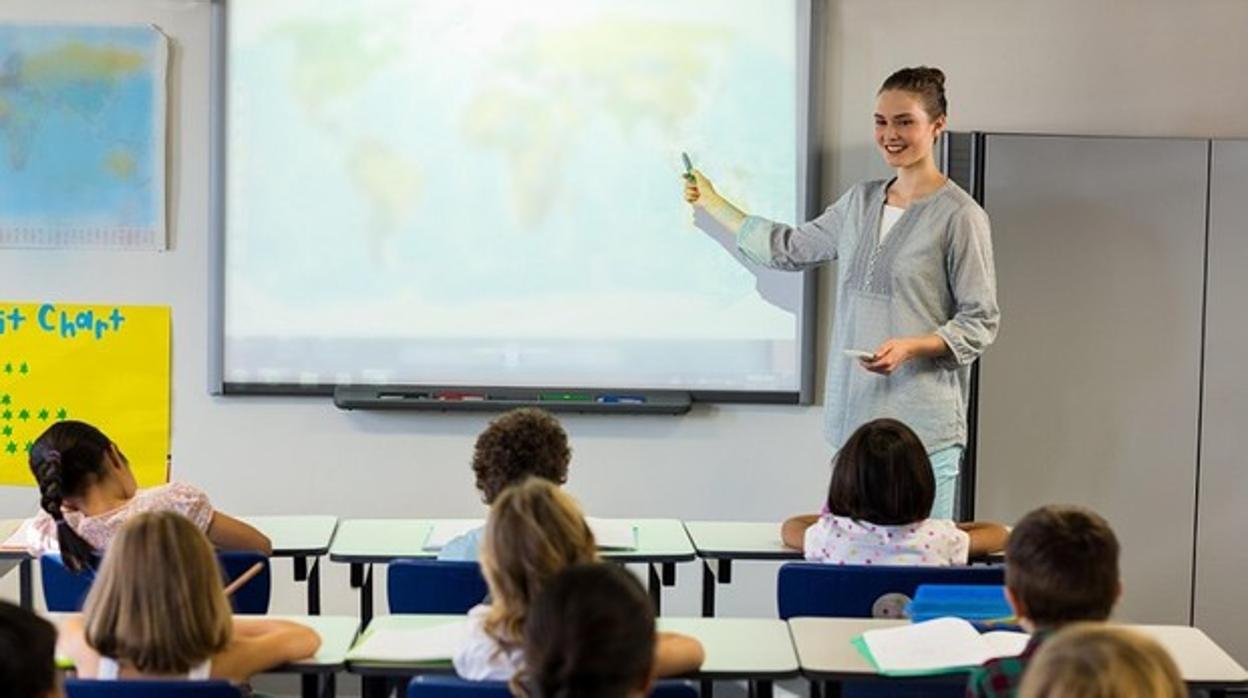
933, 273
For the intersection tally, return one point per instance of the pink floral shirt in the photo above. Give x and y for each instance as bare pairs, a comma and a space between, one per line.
190, 501
845, 541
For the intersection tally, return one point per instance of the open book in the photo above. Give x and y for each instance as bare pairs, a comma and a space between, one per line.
610, 534
432, 644
936, 647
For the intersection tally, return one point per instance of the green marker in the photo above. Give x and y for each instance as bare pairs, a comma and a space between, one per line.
564, 397
688, 168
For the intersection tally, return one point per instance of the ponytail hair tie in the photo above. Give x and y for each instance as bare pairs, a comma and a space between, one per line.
52, 456
60, 521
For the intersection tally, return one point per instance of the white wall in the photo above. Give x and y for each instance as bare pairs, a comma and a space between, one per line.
1145, 67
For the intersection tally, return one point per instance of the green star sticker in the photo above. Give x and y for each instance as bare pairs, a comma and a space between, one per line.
23, 415
6, 400
24, 368
6, 415
29, 445
7, 430
8, 368
11, 448
43, 415
62, 414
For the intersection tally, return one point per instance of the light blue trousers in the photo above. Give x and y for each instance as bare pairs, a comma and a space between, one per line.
945, 465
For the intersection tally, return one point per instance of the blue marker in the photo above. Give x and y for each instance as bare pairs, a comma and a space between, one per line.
621, 400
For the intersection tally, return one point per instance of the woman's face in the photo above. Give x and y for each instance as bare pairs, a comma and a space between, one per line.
904, 132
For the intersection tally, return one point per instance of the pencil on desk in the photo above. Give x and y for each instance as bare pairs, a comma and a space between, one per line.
243, 578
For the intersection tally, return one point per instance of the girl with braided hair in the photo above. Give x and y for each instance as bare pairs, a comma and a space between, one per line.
87, 492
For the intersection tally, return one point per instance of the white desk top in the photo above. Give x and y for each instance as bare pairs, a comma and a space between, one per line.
739, 648
337, 635
296, 535
824, 650
9, 551
383, 540
739, 540
736, 648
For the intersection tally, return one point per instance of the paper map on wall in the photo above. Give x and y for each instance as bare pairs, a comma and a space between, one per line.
102, 364
82, 136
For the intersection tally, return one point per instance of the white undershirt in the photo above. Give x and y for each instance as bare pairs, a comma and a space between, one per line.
891, 215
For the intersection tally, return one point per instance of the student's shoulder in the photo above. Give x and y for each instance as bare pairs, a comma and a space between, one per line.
996, 677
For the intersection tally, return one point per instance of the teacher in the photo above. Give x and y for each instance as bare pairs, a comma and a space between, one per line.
915, 286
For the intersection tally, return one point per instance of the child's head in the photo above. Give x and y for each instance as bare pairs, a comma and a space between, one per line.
1092, 660
157, 602
882, 476
590, 633
535, 530
1061, 565
27, 654
68, 459
520, 443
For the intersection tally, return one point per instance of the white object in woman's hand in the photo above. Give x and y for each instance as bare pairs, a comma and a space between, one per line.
889, 357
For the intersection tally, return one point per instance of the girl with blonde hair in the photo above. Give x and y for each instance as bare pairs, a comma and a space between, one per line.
535, 531
157, 609
1094, 660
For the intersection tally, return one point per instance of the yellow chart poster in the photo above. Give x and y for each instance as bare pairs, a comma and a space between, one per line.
103, 364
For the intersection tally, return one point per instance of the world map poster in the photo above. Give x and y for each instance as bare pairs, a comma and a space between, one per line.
82, 136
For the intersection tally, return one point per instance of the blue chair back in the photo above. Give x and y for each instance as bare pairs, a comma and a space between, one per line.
65, 591
865, 591
434, 586
434, 686
853, 591
85, 688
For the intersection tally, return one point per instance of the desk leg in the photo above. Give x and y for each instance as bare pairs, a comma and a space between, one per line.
357, 575
725, 571
374, 686
301, 567
26, 584
706, 689
656, 588
309, 685
763, 689
669, 574
816, 689
314, 588
708, 590
831, 689
330, 687
366, 597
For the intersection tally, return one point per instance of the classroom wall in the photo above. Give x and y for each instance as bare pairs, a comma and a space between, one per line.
1144, 67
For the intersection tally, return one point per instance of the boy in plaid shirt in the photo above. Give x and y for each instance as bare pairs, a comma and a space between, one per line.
1061, 566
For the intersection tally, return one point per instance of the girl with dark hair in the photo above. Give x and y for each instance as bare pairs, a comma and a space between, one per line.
879, 508
916, 299
87, 492
590, 634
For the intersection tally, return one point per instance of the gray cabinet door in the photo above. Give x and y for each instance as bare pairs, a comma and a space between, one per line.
1090, 395
1222, 525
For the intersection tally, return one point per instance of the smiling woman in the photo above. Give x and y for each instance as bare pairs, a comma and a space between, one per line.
916, 299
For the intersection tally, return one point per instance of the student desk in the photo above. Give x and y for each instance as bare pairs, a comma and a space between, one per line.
825, 653
661, 543
23, 559
753, 649
300, 538
721, 542
337, 633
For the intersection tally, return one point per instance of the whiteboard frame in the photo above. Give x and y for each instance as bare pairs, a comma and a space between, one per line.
809, 49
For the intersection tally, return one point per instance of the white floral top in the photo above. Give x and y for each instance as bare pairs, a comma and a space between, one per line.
98, 530
846, 541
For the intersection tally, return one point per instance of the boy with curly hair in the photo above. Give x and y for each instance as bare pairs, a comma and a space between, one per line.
520, 443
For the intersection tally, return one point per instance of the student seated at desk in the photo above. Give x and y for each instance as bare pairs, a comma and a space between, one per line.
520, 443
27, 655
535, 531
1091, 660
87, 492
157, 610
591, 634
1061, 567
878, 507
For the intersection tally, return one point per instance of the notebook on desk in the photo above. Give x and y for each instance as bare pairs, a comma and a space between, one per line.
936, 647
609, 534
432, 644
